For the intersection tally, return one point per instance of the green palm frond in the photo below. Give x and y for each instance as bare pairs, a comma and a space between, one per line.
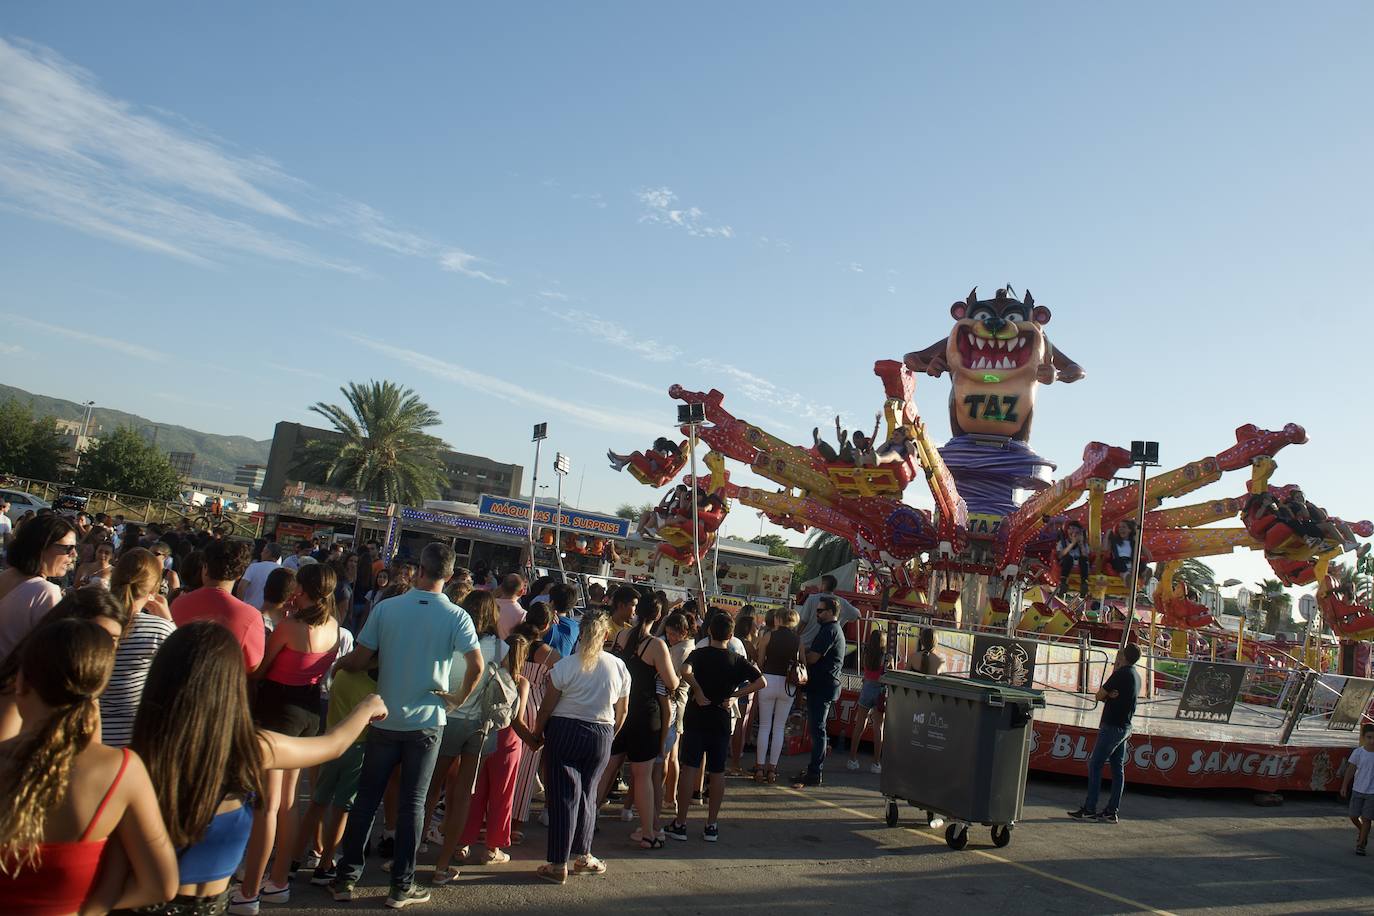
385, 452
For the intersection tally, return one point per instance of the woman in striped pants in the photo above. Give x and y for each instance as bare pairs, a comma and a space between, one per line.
584, 705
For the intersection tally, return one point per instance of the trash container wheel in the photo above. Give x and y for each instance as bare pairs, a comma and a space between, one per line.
956, 836
892, 813
1001, 835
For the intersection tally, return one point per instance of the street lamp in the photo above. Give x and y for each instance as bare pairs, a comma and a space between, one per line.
692, 416
560, 467
85, 429
541, 432
1143, 455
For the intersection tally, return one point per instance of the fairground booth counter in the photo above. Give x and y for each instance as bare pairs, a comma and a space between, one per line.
493, 534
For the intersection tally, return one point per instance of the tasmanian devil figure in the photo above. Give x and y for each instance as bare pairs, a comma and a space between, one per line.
996, 356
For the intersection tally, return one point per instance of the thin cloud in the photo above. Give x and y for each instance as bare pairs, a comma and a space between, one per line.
615, 335
660, 207
297, 370
594, 198
585, 414
619, 380
103, 341
553, 294
72, 154
854, 267
461, 262
760, 390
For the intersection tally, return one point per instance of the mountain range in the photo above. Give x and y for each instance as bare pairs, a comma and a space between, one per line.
216, 456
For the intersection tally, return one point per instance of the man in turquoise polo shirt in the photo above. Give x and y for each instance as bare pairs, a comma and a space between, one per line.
415, 638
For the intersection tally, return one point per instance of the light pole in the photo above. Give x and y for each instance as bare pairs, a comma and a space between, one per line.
560, 467
692, 416
85, 429
541, 432
1144, 455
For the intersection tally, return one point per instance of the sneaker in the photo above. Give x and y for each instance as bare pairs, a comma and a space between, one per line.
432, 835
324, 875
342, 889
876, 769
1081, 814
851, 764
627, 815
696, 797
1359, 851
295, 867
710, 834
386, 846
271, 893
404, 896
1108, 817
676, 831
312, 861
808, 780
934, 821
242, 906
544, 818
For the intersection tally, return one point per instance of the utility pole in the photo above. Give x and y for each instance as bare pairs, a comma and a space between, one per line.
541, 432
693, 415
1144, 455
560, 467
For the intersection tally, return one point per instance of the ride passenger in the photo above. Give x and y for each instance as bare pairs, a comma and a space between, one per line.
1121, 546
1072, 550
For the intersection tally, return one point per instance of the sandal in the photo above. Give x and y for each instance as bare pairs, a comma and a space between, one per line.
554, 874
516, 837
772, 775
646, 843
444, 875
589, 865
495, 857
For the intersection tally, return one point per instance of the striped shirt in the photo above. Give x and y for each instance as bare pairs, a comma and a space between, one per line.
119, 702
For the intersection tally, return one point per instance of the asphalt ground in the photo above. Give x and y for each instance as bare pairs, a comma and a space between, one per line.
828, 850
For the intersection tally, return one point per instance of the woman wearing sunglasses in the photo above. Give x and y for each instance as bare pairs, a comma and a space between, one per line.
44, 548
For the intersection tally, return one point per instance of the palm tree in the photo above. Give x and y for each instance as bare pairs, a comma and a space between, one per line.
824, 552
1276, 604
1353, 582
384, 453
1196, 574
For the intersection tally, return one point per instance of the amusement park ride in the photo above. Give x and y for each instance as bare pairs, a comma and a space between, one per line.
998, 514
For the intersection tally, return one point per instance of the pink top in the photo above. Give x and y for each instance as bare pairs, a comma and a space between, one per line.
296, 669
241, 619
510, 617
21, 609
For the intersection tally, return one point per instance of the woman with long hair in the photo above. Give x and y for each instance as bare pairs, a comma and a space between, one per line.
924, 660
495, 791
465, 735
542, 657
135, 583
42, 549
298, 656
93, 603
97, 570
745, 627
640, 740
584, 706
66, 793
779, 651
872, 699
210, 764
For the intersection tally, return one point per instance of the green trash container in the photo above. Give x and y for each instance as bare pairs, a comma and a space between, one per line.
958, 748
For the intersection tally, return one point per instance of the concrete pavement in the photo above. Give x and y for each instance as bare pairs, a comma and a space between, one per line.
783, 851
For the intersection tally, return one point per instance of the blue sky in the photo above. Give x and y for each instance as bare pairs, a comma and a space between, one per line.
215, 215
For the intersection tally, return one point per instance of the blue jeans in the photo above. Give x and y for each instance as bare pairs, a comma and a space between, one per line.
1111, 747
415, 752
819, 699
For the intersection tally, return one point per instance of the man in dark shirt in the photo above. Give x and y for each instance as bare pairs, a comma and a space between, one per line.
1117, 696
824, 657
716, 676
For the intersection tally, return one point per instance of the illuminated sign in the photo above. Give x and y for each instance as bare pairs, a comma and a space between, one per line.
573, 521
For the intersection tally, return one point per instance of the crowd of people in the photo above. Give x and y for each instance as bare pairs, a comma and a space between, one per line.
166, 695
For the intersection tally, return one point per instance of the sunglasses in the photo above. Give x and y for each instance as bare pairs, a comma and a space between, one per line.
68, 549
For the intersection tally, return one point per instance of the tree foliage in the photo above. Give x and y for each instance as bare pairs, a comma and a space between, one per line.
29, 446
631, 511
777, 547
825, 552
1196, 573
385, 453
1276, 606
124, 462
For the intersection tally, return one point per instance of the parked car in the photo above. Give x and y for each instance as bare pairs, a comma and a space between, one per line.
21, 502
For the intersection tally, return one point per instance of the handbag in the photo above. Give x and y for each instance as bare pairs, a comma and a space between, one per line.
796, 676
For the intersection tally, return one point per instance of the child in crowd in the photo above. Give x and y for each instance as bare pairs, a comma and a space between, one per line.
1358, 786
337, 782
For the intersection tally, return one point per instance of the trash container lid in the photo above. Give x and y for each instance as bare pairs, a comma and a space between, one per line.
981, 691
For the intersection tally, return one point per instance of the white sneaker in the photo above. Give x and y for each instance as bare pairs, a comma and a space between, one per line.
432, 835
544, 818
271, 893
627, 815
934, 821
851, 764
876, 769
311, 861
242, 906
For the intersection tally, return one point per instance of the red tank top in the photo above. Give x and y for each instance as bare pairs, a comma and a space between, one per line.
65, 873
297, 669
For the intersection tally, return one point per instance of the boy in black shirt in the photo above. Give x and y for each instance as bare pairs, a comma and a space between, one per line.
1117, 696
716, 675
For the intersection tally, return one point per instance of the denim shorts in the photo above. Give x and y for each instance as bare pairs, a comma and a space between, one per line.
462, 736
1362, 805
872, 695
